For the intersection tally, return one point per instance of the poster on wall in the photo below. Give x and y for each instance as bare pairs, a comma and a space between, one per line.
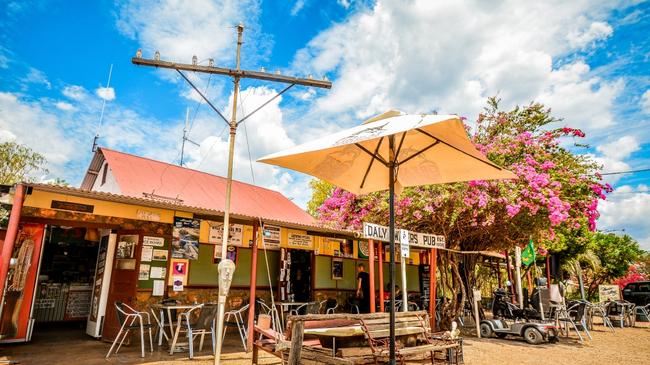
271, 236
300, 241
179, 269
146, 254
337, 269
363, 250
329, 246
153, 241
347, 248
160, 255
126, 246
143, 273
185, 238
235, 237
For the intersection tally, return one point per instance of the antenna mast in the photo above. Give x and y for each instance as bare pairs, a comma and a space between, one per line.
185, 137
101, 115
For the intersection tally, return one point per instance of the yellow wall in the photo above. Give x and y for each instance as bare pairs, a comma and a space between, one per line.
43, 199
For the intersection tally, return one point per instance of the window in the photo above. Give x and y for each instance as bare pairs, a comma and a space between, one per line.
104, 174
644, 287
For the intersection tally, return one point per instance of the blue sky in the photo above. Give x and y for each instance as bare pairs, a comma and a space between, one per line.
587, 60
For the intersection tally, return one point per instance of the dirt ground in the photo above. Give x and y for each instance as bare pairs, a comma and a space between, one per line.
624, 346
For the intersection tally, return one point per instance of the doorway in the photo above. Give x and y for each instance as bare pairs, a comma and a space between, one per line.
300, 275
65, 281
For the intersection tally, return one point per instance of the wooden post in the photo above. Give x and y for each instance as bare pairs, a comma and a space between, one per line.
433, 267
297, 332
380, 252
10, 237
371, 273
498, 273
253, 285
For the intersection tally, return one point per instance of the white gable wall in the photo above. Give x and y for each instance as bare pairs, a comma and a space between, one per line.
110, 185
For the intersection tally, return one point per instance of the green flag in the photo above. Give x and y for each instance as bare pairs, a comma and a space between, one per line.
528, 254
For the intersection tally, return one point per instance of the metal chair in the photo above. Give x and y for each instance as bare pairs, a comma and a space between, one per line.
204, 324
235, 318
600, 310
307, 308
328, 306
131, 320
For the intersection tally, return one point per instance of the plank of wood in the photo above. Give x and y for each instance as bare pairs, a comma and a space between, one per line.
350, 316
297, 328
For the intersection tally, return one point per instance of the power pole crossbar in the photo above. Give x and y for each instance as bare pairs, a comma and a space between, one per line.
242, 74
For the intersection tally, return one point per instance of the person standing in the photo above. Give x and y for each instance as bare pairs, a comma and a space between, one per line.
363, 289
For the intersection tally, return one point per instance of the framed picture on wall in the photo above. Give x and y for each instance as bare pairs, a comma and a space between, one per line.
337, 269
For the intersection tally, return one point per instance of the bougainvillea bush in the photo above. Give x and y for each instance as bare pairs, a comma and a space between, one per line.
554, 201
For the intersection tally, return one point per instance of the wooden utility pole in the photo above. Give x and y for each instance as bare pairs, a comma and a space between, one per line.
237, 74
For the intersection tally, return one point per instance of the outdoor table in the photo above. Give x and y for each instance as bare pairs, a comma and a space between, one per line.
348, 335
173, 324
286, 307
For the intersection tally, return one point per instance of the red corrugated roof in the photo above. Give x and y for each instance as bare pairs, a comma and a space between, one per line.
138, 175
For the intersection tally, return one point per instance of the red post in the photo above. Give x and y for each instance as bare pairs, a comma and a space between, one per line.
10, 237
433, 266
380, 252
253, 285
548, 271
371, 273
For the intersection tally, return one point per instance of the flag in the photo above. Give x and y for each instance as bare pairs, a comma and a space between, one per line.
528, 254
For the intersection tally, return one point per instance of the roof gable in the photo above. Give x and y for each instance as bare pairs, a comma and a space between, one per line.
141, 177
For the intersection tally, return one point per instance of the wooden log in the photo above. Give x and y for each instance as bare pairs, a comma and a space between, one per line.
350, 316
297, 332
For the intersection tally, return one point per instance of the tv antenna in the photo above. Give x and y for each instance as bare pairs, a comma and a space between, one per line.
101, 115
185, 137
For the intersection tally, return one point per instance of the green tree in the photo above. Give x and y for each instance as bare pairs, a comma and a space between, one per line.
615, 255
320, 190
18, 162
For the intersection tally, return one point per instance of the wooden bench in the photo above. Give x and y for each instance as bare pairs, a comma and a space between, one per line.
293, 348
413, 333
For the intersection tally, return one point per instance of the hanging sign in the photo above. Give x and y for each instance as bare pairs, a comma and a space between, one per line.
300, 241
271, 236
423, 240
404, 243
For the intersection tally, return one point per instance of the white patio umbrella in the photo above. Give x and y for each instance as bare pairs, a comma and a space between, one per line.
388, 151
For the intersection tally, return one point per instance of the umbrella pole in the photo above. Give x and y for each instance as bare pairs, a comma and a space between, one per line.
391, 232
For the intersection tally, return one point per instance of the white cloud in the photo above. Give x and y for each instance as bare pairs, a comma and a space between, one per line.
628, 208
6, 136
421, 58
645, 102
180, 31
596, 31
35, 76
344, 3
106, 93
266, 132
613, 155
297, 6
619, 149
75, 92
62, 105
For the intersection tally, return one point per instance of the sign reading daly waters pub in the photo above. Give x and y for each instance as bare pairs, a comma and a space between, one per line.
423, 240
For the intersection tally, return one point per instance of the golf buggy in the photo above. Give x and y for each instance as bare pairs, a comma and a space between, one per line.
508, 319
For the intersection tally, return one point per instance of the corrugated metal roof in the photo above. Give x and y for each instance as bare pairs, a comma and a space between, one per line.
156, 203
138, 177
